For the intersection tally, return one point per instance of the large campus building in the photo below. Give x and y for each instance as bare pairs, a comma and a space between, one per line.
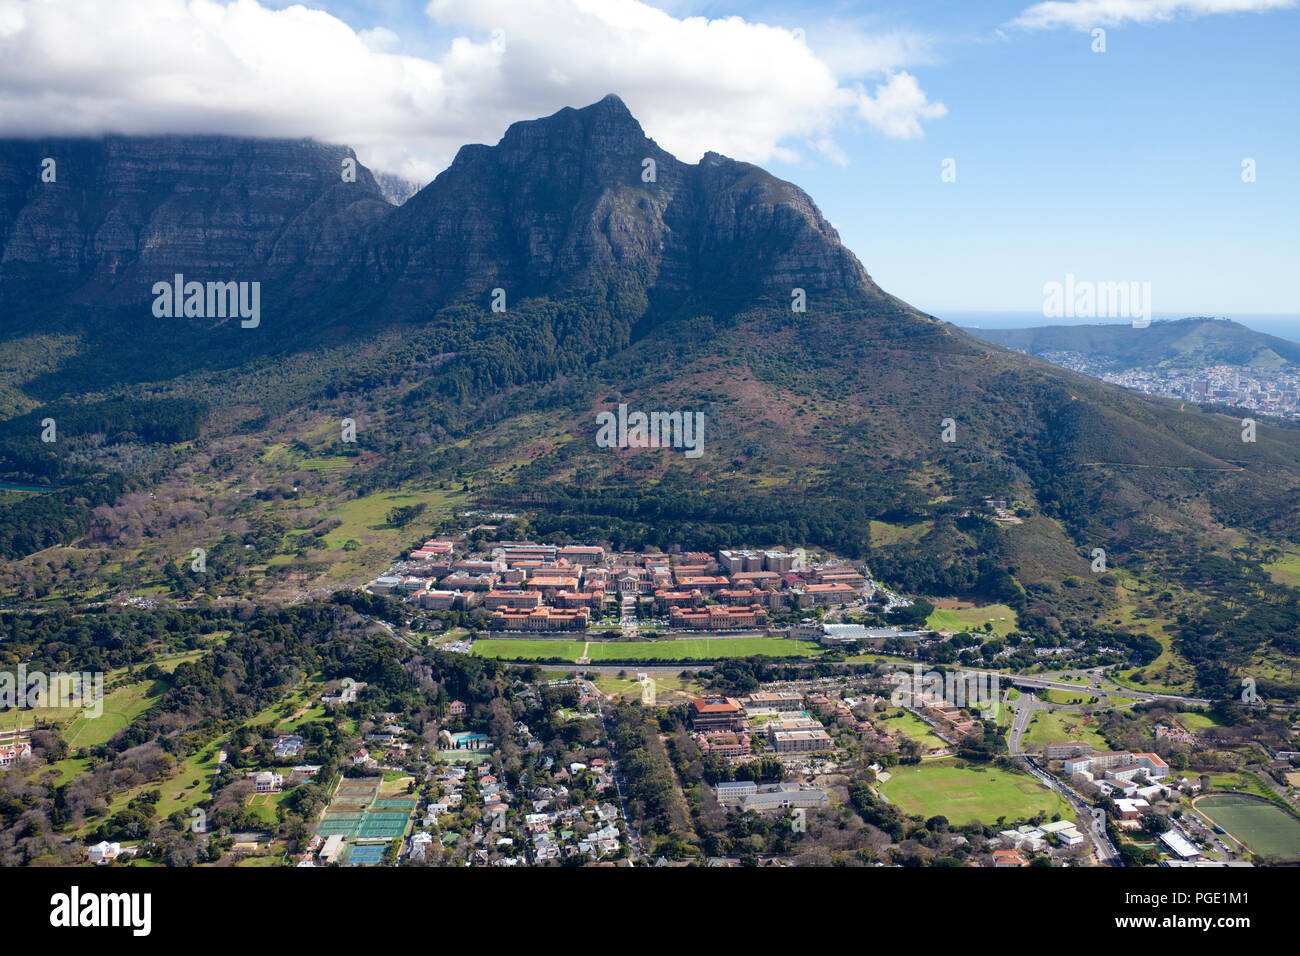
716, 617
716, 713
530, 587
540, 619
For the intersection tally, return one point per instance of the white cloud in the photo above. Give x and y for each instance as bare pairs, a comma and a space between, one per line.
831, 150
80, 67
380, 38
899, 106
1086, 14
853, 50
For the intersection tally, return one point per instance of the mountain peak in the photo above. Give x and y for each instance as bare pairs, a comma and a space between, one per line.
580, 196
609, 109
612, 100
606, 124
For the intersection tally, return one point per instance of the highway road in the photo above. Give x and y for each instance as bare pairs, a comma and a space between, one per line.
1095, 687
1092, 827
1091, 823
1023, 709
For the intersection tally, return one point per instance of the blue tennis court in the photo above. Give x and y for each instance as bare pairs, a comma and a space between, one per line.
368, 855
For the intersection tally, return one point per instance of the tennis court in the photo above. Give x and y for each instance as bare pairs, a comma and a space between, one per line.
358, 792
342, 824
379, 825
393, 803
368, 855
347, 806
357, 812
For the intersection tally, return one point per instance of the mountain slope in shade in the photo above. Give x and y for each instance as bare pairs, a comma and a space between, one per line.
124, 212
1186, 343
589, 244
675, 291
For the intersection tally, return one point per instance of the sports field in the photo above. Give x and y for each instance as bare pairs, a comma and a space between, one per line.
265, 805
1238, 783
628, 688
681, 650
529, 650
81, 730
378, 823
972, 619
120, 707
963, 794
1198, 723
339, 824
395, 803
1059, 726
1264, 827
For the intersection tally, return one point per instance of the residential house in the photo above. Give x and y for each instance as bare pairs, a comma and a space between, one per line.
103, 852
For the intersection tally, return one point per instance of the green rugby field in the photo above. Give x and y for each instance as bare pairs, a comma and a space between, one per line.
973, 792
1263, 826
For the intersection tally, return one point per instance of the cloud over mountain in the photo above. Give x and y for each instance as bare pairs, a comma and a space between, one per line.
71, 67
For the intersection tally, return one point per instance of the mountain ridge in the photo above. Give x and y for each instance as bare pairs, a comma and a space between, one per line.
676, 292
1186, 343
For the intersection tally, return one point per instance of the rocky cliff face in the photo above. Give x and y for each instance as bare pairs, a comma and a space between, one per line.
575, 194
558, 203
122, 213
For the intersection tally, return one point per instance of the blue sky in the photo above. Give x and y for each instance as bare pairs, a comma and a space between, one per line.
1114, 166
1123, 165
1117, 166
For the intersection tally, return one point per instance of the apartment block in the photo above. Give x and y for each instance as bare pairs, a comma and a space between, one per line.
801, 741
733, 561
781, 702
576, 599
723, 744
1064, 751
667, 599
778, 561
1118, 765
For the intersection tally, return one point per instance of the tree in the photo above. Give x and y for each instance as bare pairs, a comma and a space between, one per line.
1155, 823
402, 516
